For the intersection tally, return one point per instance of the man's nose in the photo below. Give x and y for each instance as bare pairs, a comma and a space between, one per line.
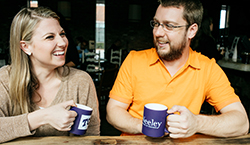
159, 31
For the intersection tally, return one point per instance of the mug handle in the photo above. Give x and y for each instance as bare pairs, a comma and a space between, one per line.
165, 129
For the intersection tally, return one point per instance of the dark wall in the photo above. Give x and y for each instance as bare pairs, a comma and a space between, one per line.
239, 22
135, 35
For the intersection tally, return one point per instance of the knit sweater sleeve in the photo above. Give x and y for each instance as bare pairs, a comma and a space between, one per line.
92, 101
81, 83
11, 127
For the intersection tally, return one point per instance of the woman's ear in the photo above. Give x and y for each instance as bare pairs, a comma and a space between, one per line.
25, 47
192, 30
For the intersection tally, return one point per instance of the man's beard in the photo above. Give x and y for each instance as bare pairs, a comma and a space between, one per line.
175, 51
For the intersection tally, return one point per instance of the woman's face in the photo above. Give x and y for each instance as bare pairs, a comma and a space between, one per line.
48, 45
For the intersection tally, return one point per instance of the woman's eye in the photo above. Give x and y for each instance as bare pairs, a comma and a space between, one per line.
63, 34
50, 37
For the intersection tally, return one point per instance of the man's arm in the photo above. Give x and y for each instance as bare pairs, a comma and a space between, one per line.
232, 121
118, 116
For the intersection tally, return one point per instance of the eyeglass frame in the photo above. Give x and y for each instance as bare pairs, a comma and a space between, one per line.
166, 26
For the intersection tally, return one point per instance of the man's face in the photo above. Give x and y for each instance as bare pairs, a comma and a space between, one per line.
170, 43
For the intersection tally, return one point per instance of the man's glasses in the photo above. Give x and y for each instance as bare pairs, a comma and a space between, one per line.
166, 27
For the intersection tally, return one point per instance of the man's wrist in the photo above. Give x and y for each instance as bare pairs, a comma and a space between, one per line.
139, 126
200, 121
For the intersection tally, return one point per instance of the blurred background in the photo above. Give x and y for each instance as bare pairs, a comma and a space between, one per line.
127, 20
105, 25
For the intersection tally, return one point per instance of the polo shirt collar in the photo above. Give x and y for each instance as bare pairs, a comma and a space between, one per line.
154, 57
192, 59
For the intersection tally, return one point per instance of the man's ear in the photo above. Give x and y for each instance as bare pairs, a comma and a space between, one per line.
25, 47
192, 30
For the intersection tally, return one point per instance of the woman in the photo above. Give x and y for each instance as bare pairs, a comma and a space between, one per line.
204, 42
37, 90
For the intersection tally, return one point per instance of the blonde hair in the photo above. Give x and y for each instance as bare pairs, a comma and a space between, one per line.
23, 82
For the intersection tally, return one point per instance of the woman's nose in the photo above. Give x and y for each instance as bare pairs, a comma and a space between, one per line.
62, 41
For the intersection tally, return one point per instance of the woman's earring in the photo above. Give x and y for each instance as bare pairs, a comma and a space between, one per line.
29, 53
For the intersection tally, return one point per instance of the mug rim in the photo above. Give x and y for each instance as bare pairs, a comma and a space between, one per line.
84, 107
156, 106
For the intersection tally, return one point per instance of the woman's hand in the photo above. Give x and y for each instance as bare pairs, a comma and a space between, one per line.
57, 116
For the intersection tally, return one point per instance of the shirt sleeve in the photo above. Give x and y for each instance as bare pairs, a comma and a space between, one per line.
220, 92
88, 96
123, 87
11, 127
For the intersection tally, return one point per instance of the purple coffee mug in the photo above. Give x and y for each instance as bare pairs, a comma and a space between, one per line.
154, 120
82, 119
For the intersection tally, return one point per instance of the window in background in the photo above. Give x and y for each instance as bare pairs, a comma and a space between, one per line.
223, 27
32, 3
224, 13
100, 28
223, 19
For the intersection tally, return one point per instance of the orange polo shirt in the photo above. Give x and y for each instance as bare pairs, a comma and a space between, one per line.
143, 79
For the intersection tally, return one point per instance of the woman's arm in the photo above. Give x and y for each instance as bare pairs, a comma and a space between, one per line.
24, 125
57, 116
13, 127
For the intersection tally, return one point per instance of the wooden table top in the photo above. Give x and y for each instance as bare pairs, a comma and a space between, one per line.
196, 139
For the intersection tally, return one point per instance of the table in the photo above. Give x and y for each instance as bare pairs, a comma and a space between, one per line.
197, 139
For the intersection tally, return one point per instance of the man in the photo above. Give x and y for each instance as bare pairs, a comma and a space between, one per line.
174, 75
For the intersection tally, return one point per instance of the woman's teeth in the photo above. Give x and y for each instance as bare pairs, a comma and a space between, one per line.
58, 53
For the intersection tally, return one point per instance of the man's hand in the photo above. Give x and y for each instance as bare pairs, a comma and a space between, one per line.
232, 121
182, 125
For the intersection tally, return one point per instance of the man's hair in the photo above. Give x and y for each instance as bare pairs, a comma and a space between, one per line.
193, 9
